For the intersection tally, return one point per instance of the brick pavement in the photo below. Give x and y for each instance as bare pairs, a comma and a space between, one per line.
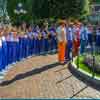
42, 77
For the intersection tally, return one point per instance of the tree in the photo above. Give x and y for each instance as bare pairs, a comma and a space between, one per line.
69, 8
39, 9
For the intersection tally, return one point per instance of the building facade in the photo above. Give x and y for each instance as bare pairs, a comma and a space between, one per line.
95, 11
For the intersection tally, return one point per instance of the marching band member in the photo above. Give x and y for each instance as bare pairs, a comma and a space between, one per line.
24, 39
21, 36
39, 40
69, 41
49, 41
30, 41
40, 43
83, 38
61, 35
35, 35
90, 31
4, 48
98, 39
26, 45
49, 35
46, 43
15, 45
1, 67
76, 41
53, 39
10, 46
90, 38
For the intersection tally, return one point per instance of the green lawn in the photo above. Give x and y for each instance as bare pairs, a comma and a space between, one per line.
84, 67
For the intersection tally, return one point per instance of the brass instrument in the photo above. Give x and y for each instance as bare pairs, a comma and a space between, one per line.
22, 33
40, 36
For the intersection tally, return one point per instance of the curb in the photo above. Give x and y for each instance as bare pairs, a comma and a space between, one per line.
83, 74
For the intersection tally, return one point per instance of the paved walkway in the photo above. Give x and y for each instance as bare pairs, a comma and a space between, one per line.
43, 77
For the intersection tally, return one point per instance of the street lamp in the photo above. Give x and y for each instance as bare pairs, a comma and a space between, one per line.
93, 46
19, 10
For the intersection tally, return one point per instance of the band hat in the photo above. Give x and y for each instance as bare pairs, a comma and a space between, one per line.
61, 21
71, 23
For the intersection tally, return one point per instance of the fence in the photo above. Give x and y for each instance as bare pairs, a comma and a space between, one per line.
88, 59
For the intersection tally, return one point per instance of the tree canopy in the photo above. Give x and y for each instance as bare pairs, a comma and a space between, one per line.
39, 9
27, 5
69, 8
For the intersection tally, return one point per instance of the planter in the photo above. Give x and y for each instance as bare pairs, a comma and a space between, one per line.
88, 60
83, 74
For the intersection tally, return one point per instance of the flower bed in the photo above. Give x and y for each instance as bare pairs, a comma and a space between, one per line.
88, 60
84, 66
84, 71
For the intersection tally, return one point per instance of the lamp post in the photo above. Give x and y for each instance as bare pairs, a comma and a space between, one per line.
93, 51
19, 11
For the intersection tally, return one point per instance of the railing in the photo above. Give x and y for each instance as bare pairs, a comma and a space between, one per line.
89, 59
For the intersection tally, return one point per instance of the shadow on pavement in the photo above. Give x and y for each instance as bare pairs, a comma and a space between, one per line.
29, 73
